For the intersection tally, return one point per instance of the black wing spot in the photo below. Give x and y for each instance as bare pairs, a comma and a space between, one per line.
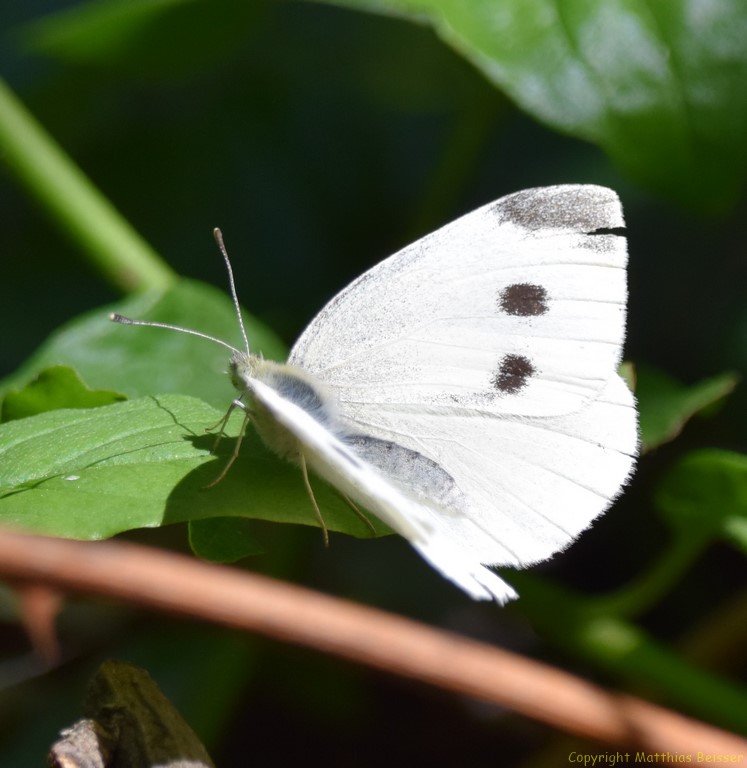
512, 375
523, 300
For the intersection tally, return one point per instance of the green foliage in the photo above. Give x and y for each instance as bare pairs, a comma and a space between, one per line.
321, 140
146, 462
54, 388
104, 33
659, 86
666, 405
705, 495
146, 361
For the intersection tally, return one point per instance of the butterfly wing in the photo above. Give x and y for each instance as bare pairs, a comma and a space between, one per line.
530, 484
516, 308
490, 347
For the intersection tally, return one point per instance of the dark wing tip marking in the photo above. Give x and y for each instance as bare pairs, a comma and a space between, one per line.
577, 208
523, 300
512, 375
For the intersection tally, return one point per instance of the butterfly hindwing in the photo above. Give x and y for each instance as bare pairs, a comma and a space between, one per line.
530, 484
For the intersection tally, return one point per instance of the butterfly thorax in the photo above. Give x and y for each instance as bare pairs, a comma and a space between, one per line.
290, 383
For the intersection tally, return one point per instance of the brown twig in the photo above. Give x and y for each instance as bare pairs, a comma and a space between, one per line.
183, 586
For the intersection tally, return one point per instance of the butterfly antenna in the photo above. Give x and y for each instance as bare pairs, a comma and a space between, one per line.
122, 320
218, 235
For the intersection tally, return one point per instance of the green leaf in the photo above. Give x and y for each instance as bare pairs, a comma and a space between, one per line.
147, 361
706, 492
54, 388
666, 405
91, 474
223, 539
659, 86
147, 462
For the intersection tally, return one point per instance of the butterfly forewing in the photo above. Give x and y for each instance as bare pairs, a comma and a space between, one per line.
516, 308
490, 347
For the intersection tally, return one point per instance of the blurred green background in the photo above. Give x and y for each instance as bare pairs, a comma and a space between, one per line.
321, 139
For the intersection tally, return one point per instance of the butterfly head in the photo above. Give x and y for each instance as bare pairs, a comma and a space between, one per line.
243, 367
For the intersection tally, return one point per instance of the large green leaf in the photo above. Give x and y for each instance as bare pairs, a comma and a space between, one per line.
91, 474
658, 85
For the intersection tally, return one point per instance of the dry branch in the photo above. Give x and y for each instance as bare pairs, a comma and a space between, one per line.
183, 586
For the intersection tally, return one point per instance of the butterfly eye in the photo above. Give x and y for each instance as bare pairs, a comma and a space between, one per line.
523, 300
512, 374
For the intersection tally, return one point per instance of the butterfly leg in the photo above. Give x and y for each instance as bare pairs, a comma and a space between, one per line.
221, 426
310, 491
359, 514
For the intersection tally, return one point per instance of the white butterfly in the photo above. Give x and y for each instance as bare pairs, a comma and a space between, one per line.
465, 390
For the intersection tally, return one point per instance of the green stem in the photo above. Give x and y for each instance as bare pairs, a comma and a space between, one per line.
627, 652
50, 177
